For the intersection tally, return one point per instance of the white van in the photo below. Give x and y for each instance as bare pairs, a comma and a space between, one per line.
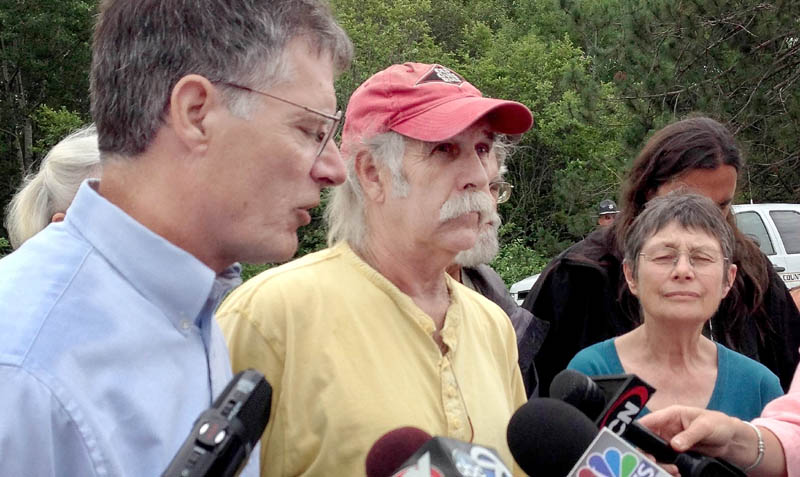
520, 289
776, 230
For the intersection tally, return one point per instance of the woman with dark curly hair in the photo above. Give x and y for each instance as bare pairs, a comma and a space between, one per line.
584, 297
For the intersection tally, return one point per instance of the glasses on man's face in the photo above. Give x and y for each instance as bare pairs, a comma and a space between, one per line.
667, 259
501, 190
323, 137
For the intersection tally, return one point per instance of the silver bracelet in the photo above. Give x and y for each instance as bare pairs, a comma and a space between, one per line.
760, 447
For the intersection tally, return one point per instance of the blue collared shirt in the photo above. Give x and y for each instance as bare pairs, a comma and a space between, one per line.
108, 347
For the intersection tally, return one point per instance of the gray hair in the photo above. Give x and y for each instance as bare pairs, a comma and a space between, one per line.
52, 189
143, 48
345, 210
690, 211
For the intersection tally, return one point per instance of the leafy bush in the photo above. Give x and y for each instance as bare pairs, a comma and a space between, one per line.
249, 270
517, 261
5, 246
53, 125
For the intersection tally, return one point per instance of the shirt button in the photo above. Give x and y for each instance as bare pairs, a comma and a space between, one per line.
185, 325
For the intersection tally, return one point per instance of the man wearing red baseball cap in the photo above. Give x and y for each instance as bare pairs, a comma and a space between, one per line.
371, 334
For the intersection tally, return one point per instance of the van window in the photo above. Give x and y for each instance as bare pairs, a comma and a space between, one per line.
788, 224
751, 225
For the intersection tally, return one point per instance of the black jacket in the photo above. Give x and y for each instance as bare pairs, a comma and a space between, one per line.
529, 329
579, 293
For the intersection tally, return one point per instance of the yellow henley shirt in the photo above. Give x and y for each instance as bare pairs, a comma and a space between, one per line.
351, 357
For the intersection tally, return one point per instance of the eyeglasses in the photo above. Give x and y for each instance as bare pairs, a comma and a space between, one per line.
667, 259
323, 137
501, 190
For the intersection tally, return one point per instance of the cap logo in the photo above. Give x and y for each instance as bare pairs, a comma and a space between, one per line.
440, 74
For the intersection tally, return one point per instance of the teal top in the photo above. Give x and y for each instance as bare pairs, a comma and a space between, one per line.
743, 386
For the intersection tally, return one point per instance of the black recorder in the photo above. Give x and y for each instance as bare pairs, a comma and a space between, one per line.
224, 435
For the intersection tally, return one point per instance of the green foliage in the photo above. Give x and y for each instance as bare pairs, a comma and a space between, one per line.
44, 59
737, 61
384, 33
599, 76
573, 157
53, 125
5, 246
517, 261
249, 270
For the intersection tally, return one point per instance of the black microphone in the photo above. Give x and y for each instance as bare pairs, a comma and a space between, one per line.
392, 449
548, 437
225, 434
613, 401
443, 457
620, 398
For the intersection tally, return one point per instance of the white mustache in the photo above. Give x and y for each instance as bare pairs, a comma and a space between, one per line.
468, 202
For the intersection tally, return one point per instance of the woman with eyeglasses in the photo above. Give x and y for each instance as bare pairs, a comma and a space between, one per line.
677, 263
582, 293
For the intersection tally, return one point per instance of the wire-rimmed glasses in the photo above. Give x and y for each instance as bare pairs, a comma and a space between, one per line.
501, 190
667, 259
323, 139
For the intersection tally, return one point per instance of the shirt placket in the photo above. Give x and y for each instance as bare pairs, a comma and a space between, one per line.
455, 409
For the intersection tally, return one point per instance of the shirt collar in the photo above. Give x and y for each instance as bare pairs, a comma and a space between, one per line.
166, 275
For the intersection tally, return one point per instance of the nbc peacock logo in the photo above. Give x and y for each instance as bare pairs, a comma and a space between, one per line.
613, 463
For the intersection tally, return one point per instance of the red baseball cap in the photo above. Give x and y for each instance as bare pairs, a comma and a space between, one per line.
425, 102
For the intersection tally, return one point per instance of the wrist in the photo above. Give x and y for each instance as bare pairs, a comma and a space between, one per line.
759, 446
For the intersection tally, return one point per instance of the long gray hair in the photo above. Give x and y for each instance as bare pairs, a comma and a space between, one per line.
345, 211
53, 187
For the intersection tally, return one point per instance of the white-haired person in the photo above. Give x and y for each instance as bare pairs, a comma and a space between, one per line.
43, 197
372, 334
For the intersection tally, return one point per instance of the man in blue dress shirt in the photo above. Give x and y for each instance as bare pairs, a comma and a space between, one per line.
214, 119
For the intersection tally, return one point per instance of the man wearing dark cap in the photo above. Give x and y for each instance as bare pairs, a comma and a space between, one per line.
606, 212
372, 334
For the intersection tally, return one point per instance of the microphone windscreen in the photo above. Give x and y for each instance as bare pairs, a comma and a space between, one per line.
547, 436
392, 449
577, 389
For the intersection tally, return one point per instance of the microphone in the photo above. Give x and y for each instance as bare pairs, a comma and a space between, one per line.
392, 449
436, 457
550, 437
224, 435
627, 395
547, 436
613, 401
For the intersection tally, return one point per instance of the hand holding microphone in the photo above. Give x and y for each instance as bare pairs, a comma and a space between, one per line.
619, 400
757, 450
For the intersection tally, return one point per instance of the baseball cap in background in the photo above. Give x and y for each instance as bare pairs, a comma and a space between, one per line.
607, 207
425, 102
